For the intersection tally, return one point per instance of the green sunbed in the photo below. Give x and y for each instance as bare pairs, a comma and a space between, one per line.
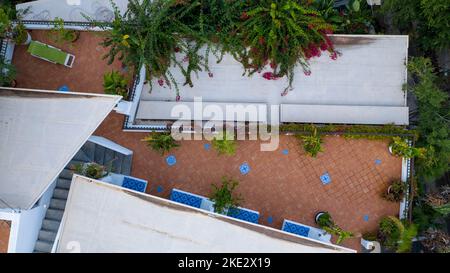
50, 53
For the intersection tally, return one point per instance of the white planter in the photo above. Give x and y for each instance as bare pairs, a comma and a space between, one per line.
390, 149
28, 40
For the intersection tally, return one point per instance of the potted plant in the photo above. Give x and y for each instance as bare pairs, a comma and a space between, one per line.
396, 191
7, 74
225, 145
13, 31
312, 144
60, 35
400, 147
324, 220
223, 196
161, 142
115, 83
90, 169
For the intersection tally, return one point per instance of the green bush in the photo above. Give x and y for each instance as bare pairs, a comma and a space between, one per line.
115, 83
224, 144
400, 147
161, 142
394, 235
312, 143
60, 35
433, 123
91, 170
224, 196
7, 72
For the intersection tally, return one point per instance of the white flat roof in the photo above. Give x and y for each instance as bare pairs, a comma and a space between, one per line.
101, 217
370, 72
40, 131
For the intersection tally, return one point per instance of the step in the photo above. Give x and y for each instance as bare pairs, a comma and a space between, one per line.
50, 225
42, 246
81, 156
126, 165
47, 235
89, 150
56, 203
99, 155
63, 183
54, 214
60, 193
73, 163
66, 174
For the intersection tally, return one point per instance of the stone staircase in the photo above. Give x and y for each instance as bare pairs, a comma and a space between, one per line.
90, 152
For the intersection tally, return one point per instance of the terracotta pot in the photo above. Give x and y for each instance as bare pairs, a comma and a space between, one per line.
13, 83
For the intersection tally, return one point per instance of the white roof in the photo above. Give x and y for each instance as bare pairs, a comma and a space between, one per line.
370, 72
40, 131
72, 10
101, 217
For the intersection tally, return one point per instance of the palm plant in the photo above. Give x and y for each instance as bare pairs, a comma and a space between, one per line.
312, 143
115, 84
225, 144
223, 196
327, 223
60, 35
152, 34
91, 170
396, 191
284, 34
161, 142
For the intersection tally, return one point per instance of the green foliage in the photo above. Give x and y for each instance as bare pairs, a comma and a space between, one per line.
396, 192
354, 18
326, 222
436, 241
7, 72
425, 20
10, 30
91, 170
224, 196
440, 201
400, 147
424, 216
161, 142
224, 144
150, 33
394, 235
115, 83
60, 35
433, 123
312, 143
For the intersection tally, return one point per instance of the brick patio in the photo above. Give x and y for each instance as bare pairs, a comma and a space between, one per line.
278, 185
4, 235
281, 186
87, 72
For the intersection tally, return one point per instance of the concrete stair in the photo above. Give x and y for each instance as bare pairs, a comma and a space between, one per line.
90, 152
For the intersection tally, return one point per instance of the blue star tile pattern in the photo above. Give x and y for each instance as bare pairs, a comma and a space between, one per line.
64, 88
159, 189
207, 146
296, 229
366, 218
134, 184
285, 151
243, 214
244, 168
270, 219
325, 178
377, 161
186, 198
171, 160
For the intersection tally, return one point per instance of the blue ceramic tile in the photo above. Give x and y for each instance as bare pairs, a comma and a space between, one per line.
325, 178
366, 218
186, 198
243, 214
270, 219
207, 146
244, 168
159, 189
285, 151
377, 161
171, 160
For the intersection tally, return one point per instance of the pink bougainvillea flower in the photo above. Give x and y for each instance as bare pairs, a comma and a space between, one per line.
178, 98
333, 55
210, 74
177, 49
273, 65
244, 16
307, 72
324, 46
161, 81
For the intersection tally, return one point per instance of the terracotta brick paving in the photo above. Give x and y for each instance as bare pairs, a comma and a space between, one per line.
4, 235
278, 185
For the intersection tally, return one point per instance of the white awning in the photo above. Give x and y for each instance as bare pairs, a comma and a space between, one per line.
101, 217
40, 131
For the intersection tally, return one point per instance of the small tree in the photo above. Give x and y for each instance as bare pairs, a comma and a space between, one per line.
223, 195
312, 144
60, 35
327, 223
115, 83
161, 142
225, 145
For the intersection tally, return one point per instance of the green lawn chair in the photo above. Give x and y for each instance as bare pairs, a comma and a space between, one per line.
50, 54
